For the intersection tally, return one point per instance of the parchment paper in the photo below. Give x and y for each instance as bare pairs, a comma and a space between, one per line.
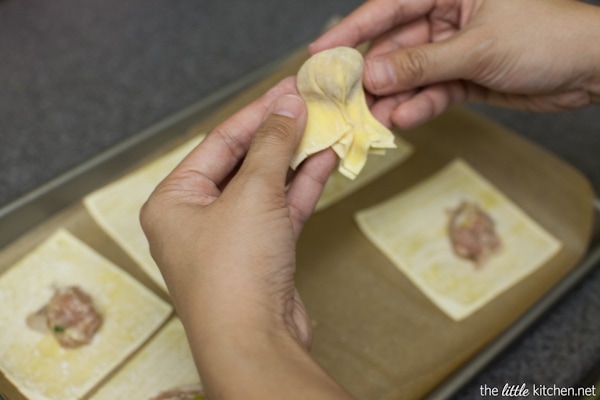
375, 332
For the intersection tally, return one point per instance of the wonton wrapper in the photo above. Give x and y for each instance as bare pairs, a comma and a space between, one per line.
330, 82
164, 363
411, 230
36, 364
339, 186
116, 207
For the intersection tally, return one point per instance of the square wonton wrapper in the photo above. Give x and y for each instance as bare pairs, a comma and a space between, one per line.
36, 364
411, 230
116, 207
164, 363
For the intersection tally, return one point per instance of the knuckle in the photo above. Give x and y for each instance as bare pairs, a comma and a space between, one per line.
413, 64
227, 135
275, 130
147, 215
152, 213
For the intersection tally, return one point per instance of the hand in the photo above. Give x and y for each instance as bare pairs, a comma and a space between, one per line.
223, 228
540, 55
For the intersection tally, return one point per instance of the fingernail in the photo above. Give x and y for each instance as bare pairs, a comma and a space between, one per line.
380, 72
289, 105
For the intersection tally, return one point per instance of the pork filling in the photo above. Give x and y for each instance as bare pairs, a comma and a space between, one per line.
473, 233
70, 316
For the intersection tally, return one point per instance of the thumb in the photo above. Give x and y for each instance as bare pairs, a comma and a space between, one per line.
276, 139
413, 67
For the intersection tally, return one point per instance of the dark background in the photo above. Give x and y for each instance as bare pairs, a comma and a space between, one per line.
77, 77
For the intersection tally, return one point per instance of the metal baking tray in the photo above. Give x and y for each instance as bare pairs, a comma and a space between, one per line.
23, 215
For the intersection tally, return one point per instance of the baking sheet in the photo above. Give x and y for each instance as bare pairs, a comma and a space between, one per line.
374, 331
391, 341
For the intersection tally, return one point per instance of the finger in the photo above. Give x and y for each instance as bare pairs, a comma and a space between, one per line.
428, 103
410, 35
275, 141
226, 145
414, 67
370, 20
383, 108
551, 102
307, 186
301, 328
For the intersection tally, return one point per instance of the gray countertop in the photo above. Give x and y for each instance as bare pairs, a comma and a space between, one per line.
78, 77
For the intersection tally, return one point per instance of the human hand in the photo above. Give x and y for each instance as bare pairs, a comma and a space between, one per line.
539, 55
223, 228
